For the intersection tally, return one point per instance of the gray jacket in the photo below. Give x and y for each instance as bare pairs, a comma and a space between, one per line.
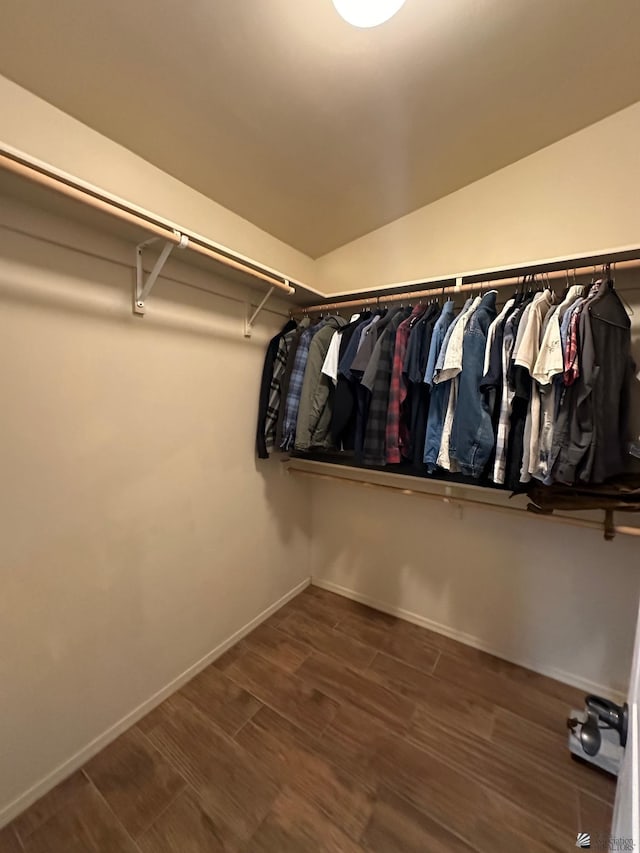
314, 413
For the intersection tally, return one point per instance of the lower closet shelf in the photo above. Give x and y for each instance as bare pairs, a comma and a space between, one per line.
446, 491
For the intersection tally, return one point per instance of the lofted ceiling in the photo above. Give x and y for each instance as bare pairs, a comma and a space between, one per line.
311, 129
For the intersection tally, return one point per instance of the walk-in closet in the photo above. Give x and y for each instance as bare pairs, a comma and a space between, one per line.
320, 436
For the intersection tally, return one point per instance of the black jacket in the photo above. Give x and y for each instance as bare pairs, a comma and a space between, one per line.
265, 388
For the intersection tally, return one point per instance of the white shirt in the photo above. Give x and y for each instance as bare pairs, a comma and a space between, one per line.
330, 364
550, 362
491, 334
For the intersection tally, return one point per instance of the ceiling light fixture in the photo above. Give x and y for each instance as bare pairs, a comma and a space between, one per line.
367, 13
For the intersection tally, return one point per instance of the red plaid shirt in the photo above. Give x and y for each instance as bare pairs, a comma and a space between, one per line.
397, 432
571, 355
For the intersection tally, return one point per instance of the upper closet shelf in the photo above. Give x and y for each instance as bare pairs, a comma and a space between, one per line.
50, 189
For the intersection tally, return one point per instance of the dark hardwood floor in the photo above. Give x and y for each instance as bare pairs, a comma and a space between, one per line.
333, 727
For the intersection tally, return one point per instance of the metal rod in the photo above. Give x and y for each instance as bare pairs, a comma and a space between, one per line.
155, 272
119, 211
252, 319
554, 519
445, 289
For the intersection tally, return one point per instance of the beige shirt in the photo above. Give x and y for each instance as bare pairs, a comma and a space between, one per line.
526, 357
549, 362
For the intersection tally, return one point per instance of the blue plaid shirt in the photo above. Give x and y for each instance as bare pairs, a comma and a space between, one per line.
295, 387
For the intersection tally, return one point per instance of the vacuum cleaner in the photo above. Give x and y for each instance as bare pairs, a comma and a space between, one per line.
598, 734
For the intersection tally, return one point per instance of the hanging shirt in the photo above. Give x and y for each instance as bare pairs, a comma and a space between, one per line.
471, 442
447, 340
314, 409
275, 390
330, 365
439, 333
502, 436
398, 387
527, 357
548, 366
270, 364
286, 378
491, 382
418, 392
550, 361
491, 334
368, 340
344, 404
295, 387
439, 393
363, 336
375, 432
451, 369
332, 358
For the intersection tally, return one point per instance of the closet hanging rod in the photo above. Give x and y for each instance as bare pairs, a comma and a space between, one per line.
451, 499
459, 287
119, 210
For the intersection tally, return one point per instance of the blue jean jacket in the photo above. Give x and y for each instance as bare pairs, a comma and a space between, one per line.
472, 437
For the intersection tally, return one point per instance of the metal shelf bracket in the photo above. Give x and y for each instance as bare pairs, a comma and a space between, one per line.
143, 288
250, 318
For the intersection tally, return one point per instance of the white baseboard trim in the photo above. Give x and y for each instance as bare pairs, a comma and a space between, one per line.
474, 642
62, 771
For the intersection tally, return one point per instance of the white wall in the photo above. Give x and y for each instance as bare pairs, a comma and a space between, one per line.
557, 599
137, 531
37, 128
577, 196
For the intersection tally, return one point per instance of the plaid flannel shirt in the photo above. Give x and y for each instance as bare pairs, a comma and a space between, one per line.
502, 437
375, 432
398, 389
292, 403
572, 346
275, 389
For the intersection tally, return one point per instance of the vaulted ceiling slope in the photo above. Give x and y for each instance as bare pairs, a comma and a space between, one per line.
314, 130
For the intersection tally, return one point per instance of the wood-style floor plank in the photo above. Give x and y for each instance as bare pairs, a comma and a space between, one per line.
295, 826
49, 805
290, 756
277, 647
548, 750
221, 699
315, 608
397, 826
86, 824
413, 649
341, 682
234, 792
400, 677
528, 702
9, 841
321, 638
287, 694
135, 780
334, 728
490, 663
341, 604
470, 809
186, 827
501, 769
596, 816
455, 708
351, 741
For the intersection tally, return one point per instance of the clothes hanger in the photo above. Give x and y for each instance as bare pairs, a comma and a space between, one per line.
622, 299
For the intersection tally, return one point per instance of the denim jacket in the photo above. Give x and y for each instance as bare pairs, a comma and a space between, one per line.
472, 438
